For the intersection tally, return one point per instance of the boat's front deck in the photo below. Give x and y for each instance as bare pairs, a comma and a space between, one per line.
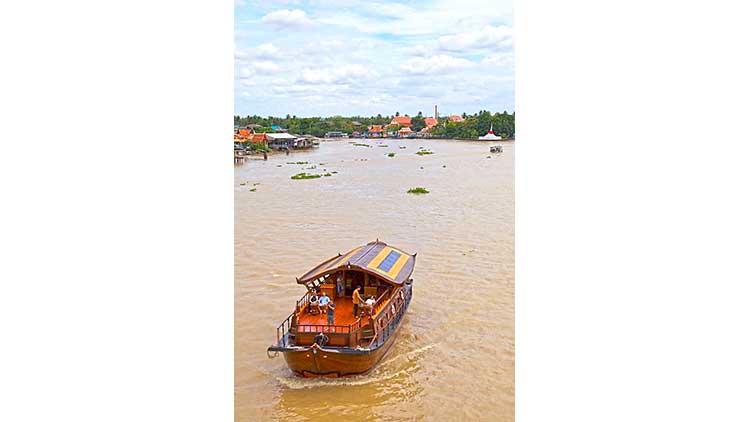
343, 314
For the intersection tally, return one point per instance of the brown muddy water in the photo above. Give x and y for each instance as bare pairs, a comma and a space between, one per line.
454, 355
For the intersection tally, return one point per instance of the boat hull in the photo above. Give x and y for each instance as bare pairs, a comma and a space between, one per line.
315, 361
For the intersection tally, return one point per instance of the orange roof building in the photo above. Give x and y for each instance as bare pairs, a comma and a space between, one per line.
245, 135
401, 121
430, 122
258, 137
455, 118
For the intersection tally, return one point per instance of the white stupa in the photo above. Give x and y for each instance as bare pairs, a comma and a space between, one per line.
490, 136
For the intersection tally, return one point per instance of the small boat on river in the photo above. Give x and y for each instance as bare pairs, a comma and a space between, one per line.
496, 148
356, 340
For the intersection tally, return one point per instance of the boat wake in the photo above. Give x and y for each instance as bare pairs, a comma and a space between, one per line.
380, 374
408, 355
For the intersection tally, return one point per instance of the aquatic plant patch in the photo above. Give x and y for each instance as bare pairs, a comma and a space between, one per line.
418, 191
300, 176
424, 152
391, 154
362, 145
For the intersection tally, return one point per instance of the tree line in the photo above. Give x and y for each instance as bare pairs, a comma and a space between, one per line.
474, 124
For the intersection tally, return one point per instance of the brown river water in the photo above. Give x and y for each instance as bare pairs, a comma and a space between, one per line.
454, 355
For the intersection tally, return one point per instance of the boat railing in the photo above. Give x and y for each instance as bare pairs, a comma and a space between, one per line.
380, 302
387, 322
291, 326
303, 301
283, 330
325, 328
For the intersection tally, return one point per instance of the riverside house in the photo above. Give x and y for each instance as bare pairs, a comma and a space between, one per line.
375, 131
401, 121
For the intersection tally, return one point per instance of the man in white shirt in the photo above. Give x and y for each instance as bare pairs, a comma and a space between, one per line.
323, 302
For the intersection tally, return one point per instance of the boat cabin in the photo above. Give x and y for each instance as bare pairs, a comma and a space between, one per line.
380, 271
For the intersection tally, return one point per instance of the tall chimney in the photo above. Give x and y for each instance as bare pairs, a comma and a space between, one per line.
436, 115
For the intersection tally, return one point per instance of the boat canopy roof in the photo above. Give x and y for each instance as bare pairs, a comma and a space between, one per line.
377, 258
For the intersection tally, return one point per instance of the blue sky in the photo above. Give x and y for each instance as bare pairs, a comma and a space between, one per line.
325, 58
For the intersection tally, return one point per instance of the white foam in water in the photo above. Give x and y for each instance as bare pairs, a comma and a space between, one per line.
291, 381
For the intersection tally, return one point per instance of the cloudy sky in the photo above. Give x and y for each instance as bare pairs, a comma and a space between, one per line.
324, 58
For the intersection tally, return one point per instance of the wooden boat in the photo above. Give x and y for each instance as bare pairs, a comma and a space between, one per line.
352, 344
496, 148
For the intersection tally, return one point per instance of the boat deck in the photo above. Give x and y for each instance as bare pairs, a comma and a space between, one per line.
343, 314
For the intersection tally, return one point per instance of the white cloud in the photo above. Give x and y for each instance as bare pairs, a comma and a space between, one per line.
266, 50
245, 72
335, 75
433, 65
490, 37
499, 59
265, 67
286, 18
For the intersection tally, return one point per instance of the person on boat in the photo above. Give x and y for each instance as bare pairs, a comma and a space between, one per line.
323, 302
314, 306
330, 313
339, 287
369, 304
356, 299
321, 339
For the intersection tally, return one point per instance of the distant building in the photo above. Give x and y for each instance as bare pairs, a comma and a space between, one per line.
247, 135
404, 132
401, 121
244, 133
376, 131
455, 118
277, 128
430, 122
282, 141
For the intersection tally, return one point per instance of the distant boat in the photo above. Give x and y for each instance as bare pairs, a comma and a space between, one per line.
496, 148
490, 136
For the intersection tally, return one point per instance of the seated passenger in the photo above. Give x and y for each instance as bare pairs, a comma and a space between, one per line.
369, 304
314, 308
323, 302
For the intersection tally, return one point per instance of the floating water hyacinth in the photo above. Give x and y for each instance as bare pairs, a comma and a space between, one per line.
300, 176
418, 191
